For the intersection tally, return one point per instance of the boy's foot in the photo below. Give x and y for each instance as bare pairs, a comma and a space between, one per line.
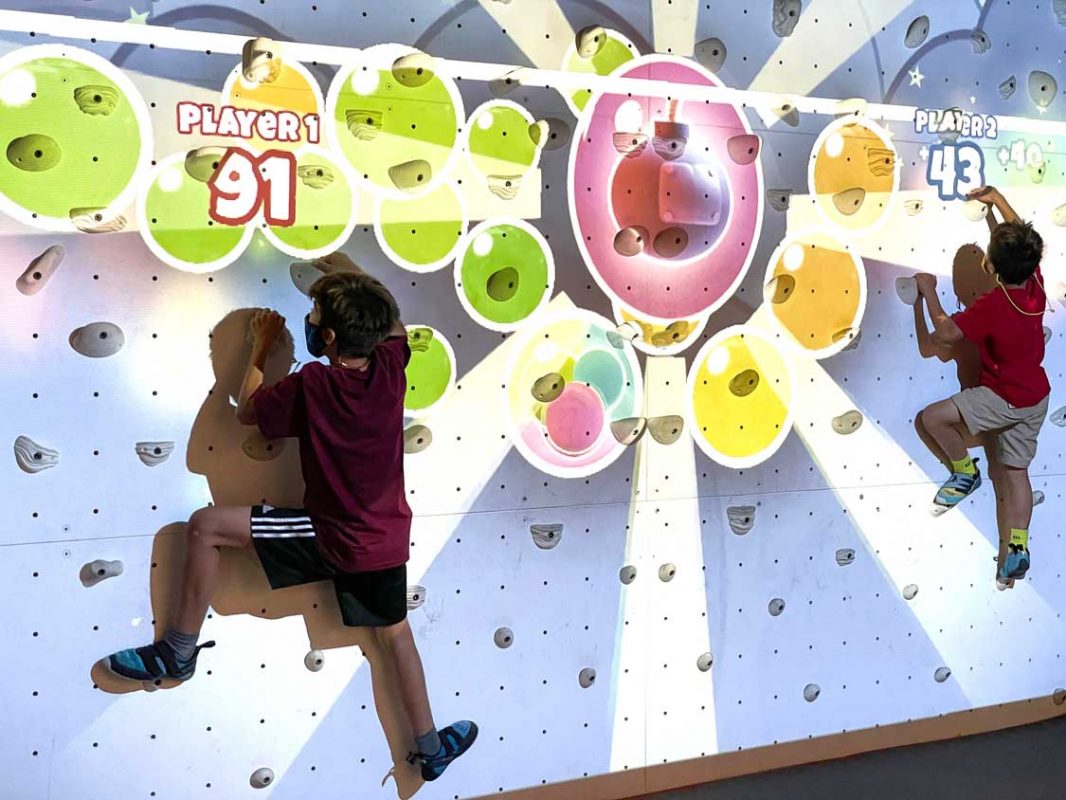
955, 489
1016, 565
454, 741
152, 663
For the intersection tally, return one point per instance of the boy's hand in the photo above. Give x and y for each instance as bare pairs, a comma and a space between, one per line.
986, 194
336, 262
926, 283
265, 328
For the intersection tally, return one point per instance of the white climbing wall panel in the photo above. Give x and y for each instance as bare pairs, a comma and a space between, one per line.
793, 588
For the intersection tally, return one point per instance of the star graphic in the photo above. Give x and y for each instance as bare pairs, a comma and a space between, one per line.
138, 19
924, 153
916, 78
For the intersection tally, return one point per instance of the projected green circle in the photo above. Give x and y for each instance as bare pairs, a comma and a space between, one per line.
615, 53
421, 234
499, 140
431, 370
325, 208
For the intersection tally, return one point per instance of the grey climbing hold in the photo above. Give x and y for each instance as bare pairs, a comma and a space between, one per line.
504, 187
259, 448
941, 674
907, 290
553, 133
93, 220
631, 241
1059, 7
704, 662
744, 148
261, 60
854, 343
777, 605
845, 556
201, 162
1006, 89
590, 41
413, 70
1042, 88
315, 660
630, 145
1059, 697
506, 84
546, 536
666, 429
910, 591
36, 275
548, 387
848, 422
364, 124
917, 32
315, 176
97, 339
779, 199
504, 638
416, 439
32, 457
667, 572
623, 334
97, 571
412, 175
711, 53
628, 431
786, 111
849, 201
786, 15
586, 677
980, 41
913, 207
811, 692
304, 274
670, 139
1058, 417
34, 152
262, 778
852, 109
627, 574
416, 596
741, 519
670, 242
152, 454
1038, 497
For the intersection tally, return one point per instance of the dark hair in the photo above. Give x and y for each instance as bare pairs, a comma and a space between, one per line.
1015, 250
357, 308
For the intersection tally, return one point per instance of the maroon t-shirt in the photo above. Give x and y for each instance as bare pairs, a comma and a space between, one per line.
1011, 344
350, 426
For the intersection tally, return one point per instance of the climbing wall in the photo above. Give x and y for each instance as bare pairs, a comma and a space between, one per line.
669, 501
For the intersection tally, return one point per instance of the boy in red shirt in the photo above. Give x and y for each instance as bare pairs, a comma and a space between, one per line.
1012, 398
354, 529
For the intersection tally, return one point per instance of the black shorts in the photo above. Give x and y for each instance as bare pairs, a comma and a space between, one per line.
284, 540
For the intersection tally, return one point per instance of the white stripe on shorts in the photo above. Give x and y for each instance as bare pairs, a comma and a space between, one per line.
301, 534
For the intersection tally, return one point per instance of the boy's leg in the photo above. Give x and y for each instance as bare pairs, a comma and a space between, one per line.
944, 423
398, 642
968, 439
1014, 551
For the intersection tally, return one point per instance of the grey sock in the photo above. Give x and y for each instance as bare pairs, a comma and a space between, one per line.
428, 744
184, 644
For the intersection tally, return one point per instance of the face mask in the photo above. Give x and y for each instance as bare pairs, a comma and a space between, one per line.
316, 345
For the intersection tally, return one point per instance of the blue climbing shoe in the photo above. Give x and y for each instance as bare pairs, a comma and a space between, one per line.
454, 741
1016, 564
954, 490
153, 663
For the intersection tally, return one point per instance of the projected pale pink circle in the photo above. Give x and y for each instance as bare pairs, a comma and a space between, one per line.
575, 418
699, 212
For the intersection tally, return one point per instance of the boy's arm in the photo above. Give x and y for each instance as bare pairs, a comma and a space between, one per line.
927, 348
947, 333
253, 379
991, 196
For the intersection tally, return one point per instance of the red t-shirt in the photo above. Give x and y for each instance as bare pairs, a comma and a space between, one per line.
1011, 344
350, 426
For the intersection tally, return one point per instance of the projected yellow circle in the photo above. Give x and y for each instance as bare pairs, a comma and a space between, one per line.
740, 389
853, 174
294, 89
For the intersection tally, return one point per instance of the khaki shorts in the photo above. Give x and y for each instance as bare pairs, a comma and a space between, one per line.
1014, 429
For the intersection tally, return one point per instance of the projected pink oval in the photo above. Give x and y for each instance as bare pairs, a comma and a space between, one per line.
575, 419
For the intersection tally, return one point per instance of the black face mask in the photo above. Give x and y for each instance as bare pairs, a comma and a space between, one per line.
316, 345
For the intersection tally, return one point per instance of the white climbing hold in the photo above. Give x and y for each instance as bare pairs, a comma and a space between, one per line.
786, 15
980, 41
704, 662
913, 207
631, 241
261, 60
670, 242
1059, 7
1058, 417
786, 111
1036, 171
97, 339
776, 607
1042, 88
413, 70
1038, 497
412, 175
624, 334
504, 638
917, 32
201, 162
907, 290
811, 692
1058, 215
1047, 334
853, 108
546, 536
667, 572
741, 519
711, 53
315, 660
260, 448
93, 220
849, 201
262, 778
304, 274
99, 570
854, 343
416, 439
975, 210
416, 596
586, 677
153, 454
36, 275
504, 187
627, 574
32, 457
670, 139
941, 674
666, 429
779, 199
507, 83
952, 136
845, 556
590, 41
744, 148
1006, 89
1059, 697
628, 431
848, 422
548, 388
910, 591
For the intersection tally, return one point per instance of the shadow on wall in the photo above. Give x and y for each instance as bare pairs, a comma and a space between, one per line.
244, 469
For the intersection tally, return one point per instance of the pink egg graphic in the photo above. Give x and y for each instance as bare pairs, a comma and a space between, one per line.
575, 419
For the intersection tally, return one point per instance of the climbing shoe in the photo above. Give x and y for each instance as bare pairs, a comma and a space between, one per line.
955, 489
1016, 564
454, 741
153, 663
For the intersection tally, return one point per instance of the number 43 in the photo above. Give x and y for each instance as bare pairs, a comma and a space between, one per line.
955, 169
244, 183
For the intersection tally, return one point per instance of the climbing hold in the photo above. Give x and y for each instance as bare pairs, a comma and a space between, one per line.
951, 136
786, 111
1036, 171
416, 439
364, 124
704, 662
881, 161
975, 210
1038, 497
304, 274
670, 139
96, 571
741, 519
504, 638
1047, 334
843, 333
416, 596
629, 430
811, 692
849, 201
153, 454
259, 448
854, 343
97, 339
96, 100
1006, 89
315, 176
262, 778
1042, 88
413, 70
845, 556
627, 574
418, 339
786, 15
907, 290
1059, 696
980, 41
546, 536
92, 220
780, 288
917, 31
672, 334
1058, 417
553, 133
502, 285
32, 457
1058, 215
666, 429
548, 387
710, 53
670, 242
34, 152
625, 333
852, 109
744, 382
315, 660
504, 187
507, 83
590, 41
667, 572
411, 175
586, 677
538, 132
631, 241
779, 198
910, 591
201, 162
36, 275
913, 207
261, 60
848, 422
743, 149
630, 145
941, 674
777, 605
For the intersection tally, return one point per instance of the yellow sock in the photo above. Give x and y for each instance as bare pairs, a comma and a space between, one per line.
1020, 538
964, 465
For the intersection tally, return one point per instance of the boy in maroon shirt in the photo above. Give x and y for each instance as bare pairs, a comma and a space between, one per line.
1012, 398
354, 529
